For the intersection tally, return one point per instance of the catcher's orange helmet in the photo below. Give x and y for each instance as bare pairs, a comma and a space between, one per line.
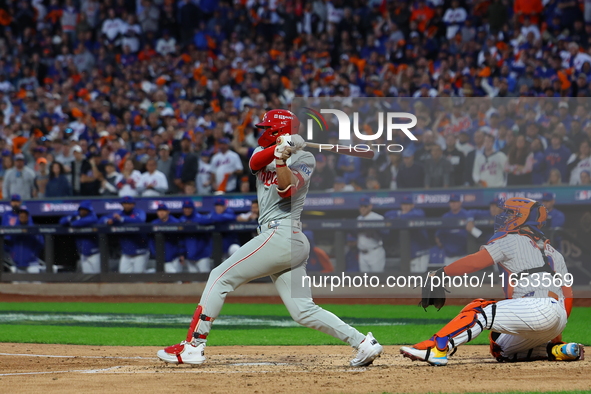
519, 212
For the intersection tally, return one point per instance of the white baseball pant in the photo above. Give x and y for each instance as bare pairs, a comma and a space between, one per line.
133, 264
174, 266
274, 253
373, 260
200, 266
524, 324
419, 264
90, 264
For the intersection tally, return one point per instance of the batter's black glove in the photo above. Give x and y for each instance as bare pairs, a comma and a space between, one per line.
433, 290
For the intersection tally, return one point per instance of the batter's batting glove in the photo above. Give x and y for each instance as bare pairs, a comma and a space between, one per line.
282, 154
433, 290
297, 141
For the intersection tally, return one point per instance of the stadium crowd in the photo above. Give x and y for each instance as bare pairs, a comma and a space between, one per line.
150, 97
147, 97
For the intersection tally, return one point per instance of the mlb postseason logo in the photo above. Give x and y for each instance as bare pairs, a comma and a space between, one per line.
366, 124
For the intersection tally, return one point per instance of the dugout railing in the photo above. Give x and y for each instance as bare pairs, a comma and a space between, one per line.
397, 231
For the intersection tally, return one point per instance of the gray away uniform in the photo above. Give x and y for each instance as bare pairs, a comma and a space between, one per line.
281, 251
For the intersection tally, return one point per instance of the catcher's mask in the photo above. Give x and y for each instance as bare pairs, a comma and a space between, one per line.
519, 212
275, 123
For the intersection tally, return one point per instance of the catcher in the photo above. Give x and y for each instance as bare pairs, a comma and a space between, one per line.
528, 324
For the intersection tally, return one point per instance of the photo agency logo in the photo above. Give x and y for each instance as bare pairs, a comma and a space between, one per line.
350, 128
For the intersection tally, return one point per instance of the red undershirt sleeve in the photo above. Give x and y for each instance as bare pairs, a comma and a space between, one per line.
262, 158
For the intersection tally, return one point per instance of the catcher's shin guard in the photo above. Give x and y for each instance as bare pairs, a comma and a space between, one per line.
466, 325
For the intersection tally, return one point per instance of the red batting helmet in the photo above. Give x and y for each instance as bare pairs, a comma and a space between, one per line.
277, 122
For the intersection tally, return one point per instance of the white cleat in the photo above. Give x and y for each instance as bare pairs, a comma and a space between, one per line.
183, 353
367, 351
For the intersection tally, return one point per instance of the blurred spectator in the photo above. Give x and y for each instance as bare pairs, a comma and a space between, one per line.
352, 254
134, 251
555, 178
489, 166
372, 255
174, 247
455, 159
538, 175
252, 215
453, 241
437, 169
184, 165
391, 171
222, 214
190, 188
165, 163
477, 148
87, 245
349, 167
454, 18
58, 184
166, 44
226, 166
25, 249
318, 260
198, 248
112, 28
520, 163
555, 219
149, 16
63, 154
111, 180
410, 175
10, 218
7, 163
423, 153
152, 183
19, 179
340, 186
81, 169
557, 156
585, 178
579, 163
323, 175
42, 177
204, 177
130, 178
419, 239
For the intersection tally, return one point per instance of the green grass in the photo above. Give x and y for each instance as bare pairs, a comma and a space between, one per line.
392, 325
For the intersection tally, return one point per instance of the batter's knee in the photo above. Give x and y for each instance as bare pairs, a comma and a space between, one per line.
301, 313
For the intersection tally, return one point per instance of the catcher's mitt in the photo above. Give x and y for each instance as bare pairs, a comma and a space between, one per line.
433, 290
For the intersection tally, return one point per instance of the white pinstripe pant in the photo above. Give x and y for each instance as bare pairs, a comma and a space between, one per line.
526, 326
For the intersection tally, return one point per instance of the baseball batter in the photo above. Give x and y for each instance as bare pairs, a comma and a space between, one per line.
529, 323
280, 249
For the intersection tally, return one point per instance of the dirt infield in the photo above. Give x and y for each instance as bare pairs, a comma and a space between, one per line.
31, 368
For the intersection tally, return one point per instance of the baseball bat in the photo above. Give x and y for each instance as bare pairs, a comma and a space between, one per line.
343, 150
